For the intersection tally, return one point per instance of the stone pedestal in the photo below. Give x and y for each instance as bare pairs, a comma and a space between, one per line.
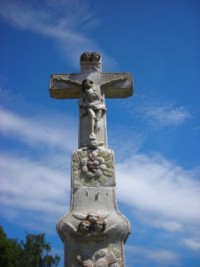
93, 231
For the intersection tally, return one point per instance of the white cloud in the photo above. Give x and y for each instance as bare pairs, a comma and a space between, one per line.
164, 114
38, 130
66, 22
32, 186
156, 256
192, 244
162, 256
157, 113
45, 18
159, 189
32, 190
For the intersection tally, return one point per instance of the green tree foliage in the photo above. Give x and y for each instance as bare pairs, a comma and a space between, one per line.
33, 252
10, 251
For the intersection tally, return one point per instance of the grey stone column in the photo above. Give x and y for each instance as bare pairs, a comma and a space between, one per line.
93, 231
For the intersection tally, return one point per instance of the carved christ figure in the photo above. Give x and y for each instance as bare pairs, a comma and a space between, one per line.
92, 104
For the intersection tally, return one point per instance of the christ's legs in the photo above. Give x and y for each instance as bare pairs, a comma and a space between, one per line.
92, 117
97, 120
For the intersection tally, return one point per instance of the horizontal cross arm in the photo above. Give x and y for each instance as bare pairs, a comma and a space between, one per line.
65, 86
117, 85
114, 85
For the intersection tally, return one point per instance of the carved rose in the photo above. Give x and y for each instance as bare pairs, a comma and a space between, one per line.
93, 166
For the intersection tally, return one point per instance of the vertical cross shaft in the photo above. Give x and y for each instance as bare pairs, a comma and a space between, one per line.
93, 231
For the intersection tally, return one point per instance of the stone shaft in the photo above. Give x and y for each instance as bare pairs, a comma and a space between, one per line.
93, 231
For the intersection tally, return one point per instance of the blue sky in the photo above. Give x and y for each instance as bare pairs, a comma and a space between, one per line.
154, 134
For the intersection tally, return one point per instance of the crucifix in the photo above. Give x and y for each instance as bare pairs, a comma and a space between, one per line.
91, 86
93, 231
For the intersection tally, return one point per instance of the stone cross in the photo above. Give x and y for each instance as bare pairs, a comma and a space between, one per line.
91, 86
93, 231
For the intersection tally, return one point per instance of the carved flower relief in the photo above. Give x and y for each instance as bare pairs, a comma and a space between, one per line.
93, 166
96, 165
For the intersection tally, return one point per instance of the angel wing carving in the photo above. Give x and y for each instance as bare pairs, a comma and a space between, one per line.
113, 227
71, 227
104, 215
79, 216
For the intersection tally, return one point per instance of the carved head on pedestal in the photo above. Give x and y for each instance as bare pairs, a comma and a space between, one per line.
92, 217
100, 225
92, 223
84, 227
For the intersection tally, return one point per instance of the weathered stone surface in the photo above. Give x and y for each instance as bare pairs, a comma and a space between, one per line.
93, 231
86, 233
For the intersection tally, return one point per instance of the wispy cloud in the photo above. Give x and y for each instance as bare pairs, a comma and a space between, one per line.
29, 186
192, 244
33, 186
164, 114
161, 190
37, 130
66, 22
158, 257
27, 181
156, 113
50, 18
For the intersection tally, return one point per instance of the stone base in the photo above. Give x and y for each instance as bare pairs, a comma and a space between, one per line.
93, 231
